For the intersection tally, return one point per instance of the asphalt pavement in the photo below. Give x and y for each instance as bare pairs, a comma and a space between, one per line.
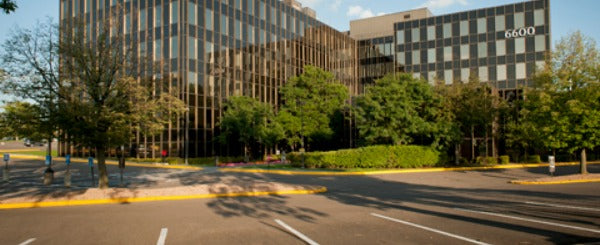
458, 207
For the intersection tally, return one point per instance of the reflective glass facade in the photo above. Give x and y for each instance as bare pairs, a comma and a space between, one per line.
209, 50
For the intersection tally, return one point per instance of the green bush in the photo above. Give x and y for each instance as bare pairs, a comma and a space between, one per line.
504, 159
369, 157
534, 159
486, 160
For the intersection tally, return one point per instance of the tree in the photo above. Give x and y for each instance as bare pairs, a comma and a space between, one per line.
399, 109
31, 66
249, 121
8, 6
474, 105
102, 102
22, 119
311, 99
562, 110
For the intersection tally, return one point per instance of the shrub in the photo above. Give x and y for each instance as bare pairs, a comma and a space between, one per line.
504, 159
534, 159
486, 160
401, 156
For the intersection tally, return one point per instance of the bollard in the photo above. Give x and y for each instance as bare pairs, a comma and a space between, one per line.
5, 176
68, 178
48, 176
551, 165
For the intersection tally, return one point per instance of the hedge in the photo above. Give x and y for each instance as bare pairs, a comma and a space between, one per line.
401, 156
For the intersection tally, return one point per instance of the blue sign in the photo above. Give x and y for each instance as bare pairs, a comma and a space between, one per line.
68, 159
6, 157
91, 161
48, 160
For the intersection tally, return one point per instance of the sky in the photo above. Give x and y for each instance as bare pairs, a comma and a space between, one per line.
566, 15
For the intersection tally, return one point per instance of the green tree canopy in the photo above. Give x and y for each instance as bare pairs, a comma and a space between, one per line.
311, 99
399, 109
249, 121
8, 6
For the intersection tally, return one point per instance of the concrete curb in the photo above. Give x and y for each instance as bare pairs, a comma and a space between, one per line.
110, 162
395, 171
154, 198
526, 182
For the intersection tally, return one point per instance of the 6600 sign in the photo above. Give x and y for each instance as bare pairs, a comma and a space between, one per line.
521, 32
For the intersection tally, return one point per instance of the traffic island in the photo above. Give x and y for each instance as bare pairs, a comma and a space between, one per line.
567, 179
94, 196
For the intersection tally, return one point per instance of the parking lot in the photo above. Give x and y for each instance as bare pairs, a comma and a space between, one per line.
459, 207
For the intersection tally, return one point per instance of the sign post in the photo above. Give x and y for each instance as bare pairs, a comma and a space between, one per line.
5, 176
48, 173
551, 165
68, 172
91, 164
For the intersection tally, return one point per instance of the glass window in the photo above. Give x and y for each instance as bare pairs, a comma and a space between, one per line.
224, 24
157, 16
192, 13
251, 34
128, 23
431, 55
431, 77
464, 51
431, 33
539, 65
238, 4
209, 49
88, 5
401, 58
539, 18
174, 47
464, 74
157, 49
142, 49
208, 19
540, 43
447, 30
174, 11
481, 25
416, 35
501, 70
238, 27
448, 76
250, 7
192, 80
464, 28
283, 20
520, 71
500, 47
519, 20
262, 8
192, 54
483, 74
520, 45
416, 57
482, 50
143, 19
400, 37
417, 75
448, 53
500, 23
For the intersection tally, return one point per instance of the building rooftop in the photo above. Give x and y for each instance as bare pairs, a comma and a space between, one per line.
382, 26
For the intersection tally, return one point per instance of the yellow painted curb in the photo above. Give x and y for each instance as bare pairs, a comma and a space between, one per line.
395, 171
525, 182
110, 162
154, 198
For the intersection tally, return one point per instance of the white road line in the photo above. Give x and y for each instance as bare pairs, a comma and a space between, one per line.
297, 233
430, 229
30, 240
563, 206
531, 220
162, 237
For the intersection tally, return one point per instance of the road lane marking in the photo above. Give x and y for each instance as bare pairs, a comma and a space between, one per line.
430, 229
297, 233
563, 206
162, 237
30, 240
530, 220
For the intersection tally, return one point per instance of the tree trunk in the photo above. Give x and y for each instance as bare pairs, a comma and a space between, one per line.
457, 154
487, 148
246, 159
472, 143
102, 173
583, 162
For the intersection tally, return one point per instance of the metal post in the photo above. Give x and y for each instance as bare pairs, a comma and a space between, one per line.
91, 163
